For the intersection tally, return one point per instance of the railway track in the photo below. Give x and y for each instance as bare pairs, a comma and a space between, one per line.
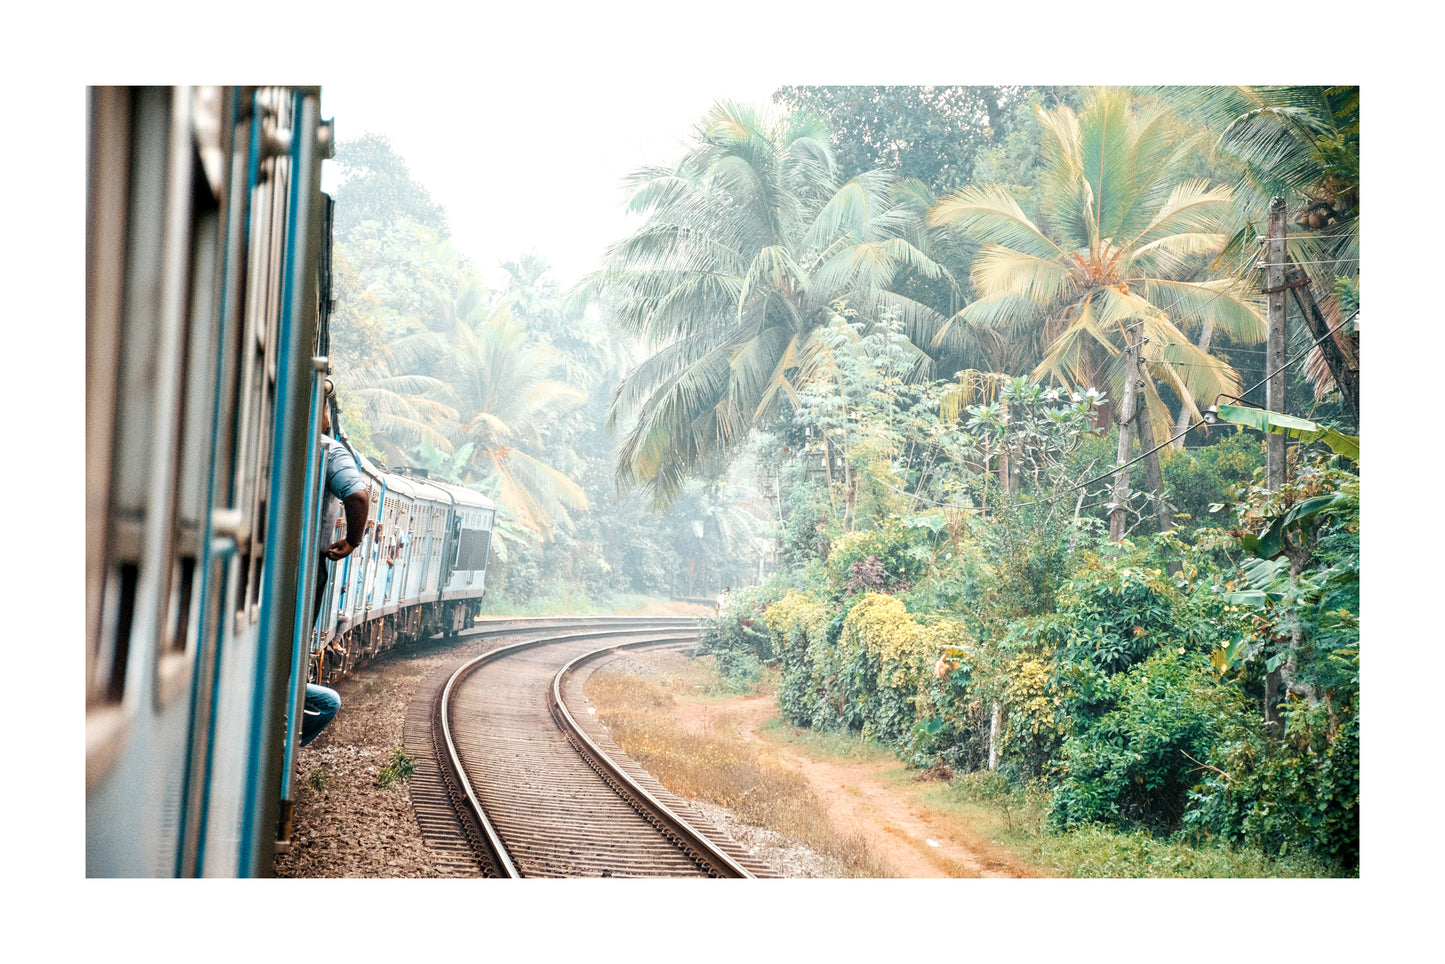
516, 778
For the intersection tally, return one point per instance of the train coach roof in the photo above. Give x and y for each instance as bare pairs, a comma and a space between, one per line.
427, 489
465, 496
415, 487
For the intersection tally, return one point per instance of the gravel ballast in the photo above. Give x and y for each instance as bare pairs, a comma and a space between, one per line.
346, 825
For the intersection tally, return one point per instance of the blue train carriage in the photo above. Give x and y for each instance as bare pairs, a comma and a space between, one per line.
466, 550
420, 570
206, 254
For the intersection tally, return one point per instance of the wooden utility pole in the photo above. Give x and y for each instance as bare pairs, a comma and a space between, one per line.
1274, 449
1126, 434
1274, 286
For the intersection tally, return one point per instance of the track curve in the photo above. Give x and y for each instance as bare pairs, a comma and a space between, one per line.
553, 796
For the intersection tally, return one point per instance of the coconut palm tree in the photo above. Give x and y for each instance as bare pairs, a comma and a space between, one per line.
402, 412
1301, 143
1119, 247
750, 246
718, 530
504, 390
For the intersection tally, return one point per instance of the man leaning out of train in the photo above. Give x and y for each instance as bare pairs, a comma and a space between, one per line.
345, 484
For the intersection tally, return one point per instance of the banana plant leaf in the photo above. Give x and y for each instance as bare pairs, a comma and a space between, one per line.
1271, 543
1341, 444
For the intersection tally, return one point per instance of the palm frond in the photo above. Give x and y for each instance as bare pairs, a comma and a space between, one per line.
1072, 357
1204, 376
999, 271
1171, 255
1192, 207
1233, 306
992, 214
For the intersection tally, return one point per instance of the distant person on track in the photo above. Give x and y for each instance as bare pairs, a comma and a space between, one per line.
347, 486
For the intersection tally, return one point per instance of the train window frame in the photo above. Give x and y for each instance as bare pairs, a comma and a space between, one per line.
179, 640
109, 130
256, 402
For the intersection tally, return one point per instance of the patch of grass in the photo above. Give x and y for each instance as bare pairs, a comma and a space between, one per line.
399, 770
316, 779
1017, 819
727, 772
695, 678
1098, 851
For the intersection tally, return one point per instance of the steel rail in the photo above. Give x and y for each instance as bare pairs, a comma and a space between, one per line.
699, 848
487, 841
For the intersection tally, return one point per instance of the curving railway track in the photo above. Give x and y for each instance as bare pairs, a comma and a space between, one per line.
515, 778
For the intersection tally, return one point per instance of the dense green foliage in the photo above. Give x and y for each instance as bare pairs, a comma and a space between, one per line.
933, 134
946, 585
506, 390
885, 338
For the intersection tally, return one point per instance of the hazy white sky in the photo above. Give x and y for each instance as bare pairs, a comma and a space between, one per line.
538, 170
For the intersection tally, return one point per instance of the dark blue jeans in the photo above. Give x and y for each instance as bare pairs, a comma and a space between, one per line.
321, 705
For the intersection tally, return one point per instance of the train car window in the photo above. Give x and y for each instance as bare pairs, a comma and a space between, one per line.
108, 129
197, 380
148, 368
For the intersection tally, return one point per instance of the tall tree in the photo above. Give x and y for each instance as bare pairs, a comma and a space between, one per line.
929, 133
750, 245
1303, 144
1118, 245
505, 390
377, 186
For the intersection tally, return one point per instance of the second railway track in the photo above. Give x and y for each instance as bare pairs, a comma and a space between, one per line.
556, 797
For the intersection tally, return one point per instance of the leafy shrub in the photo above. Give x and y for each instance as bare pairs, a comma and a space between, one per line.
1136, 763
1115, 611
738, 636
1035, 723
1215, 474
798, 625
895, 556
883, 657
1301, 794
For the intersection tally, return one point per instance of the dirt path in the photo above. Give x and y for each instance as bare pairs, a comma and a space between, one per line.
911, 840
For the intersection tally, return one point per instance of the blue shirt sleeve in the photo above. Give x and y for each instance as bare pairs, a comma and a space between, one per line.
342, 477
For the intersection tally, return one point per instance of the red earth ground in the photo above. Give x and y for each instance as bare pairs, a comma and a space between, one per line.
911, 840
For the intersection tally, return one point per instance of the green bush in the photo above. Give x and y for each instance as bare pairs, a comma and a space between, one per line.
1135, 764
1296, 795
1212, 475
891, 557
1117, 609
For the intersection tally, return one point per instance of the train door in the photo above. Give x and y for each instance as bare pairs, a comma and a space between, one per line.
273, 327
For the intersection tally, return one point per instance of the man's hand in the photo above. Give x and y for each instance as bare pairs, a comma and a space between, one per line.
339, 549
